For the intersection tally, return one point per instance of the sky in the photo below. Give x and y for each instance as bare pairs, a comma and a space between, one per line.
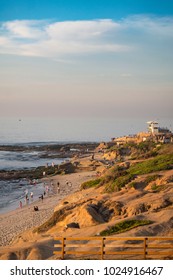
86, 59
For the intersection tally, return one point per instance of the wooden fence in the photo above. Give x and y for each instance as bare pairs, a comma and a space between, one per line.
114, 247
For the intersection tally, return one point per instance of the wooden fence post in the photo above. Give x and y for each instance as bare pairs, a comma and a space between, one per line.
102, 248
145, 247
63, 246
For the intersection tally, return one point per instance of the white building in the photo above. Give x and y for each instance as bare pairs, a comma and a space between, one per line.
153, 127
160, 134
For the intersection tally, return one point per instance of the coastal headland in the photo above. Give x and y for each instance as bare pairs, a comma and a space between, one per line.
102, 192
47, 151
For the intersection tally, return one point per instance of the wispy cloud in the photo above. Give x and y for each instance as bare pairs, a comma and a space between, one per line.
150, 25
55, 39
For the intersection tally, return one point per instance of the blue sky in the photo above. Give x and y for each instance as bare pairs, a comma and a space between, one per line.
86, 59
81, 9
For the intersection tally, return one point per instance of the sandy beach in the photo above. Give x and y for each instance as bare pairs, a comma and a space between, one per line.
16, 222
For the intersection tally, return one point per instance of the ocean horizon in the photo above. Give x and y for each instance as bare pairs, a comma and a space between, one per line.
37, 131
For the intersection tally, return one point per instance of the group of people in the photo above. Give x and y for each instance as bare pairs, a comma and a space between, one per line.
46, 191
26, 198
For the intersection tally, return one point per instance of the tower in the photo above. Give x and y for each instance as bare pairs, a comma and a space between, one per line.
153, 127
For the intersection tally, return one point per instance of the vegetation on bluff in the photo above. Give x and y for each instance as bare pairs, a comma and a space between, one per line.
159, 163
90, 183
140, 150
118, 176
124, 226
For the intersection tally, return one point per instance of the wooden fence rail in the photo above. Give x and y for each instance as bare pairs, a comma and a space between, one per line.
109, 247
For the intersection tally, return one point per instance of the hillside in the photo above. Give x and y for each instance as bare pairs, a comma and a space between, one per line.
134, 188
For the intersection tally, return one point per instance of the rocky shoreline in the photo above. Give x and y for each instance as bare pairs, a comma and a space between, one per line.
63, 151
69, 147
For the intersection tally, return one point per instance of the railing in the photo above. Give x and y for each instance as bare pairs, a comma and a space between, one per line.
109, 247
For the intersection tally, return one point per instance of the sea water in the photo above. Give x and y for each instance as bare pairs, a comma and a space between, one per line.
41, 130
33, 130
14, 191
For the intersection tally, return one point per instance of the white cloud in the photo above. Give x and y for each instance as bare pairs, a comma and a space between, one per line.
41, 38
24, 29
56, 39
81, 30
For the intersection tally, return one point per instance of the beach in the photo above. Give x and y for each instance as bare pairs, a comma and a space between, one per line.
16, 222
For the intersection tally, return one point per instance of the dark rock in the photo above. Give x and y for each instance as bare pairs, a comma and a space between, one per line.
73, 225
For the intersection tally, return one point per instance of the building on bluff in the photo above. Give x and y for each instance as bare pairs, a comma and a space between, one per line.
155, 133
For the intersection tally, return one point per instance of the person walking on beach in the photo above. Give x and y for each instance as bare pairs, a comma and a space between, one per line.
20, 204
27, 198
34, 182
58, 187
47, 190
31, 195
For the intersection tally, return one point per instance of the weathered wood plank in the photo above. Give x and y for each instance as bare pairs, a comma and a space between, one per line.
83, 252
147, 246
123, 253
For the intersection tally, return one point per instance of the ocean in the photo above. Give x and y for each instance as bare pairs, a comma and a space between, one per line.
14, 191
43, 131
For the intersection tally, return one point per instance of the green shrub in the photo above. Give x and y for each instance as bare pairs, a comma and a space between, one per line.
151, 178
112, 174
111, 187
146, 146
158, 188
124, 226
163, 162
90, 184
117, 176
123, 180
